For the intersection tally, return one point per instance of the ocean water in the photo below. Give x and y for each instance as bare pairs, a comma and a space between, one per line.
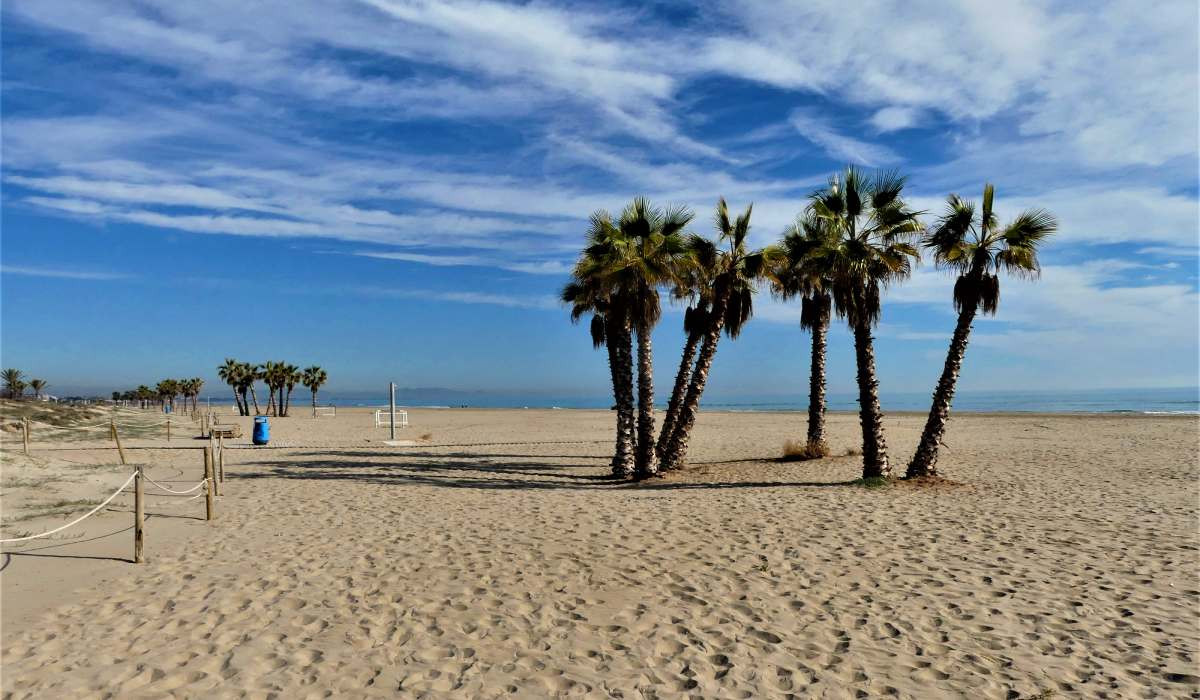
1147, 401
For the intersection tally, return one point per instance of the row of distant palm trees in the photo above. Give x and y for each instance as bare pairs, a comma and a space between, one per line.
854, 238
15, 384
280, 377
164, 394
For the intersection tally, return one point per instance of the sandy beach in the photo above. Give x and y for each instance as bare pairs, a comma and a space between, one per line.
492, 558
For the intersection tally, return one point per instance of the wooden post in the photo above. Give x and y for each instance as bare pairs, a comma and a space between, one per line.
212, 461
168, 428
112, 429
25, 433
117, 438
221, 459
139, 517
209, 484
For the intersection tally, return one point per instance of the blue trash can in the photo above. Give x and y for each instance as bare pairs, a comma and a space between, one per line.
262, 430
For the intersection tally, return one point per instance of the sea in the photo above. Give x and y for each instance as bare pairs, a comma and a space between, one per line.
1142, 401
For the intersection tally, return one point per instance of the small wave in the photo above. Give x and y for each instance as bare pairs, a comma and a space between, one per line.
1172, 413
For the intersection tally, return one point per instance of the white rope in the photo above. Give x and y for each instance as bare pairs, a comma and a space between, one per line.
77, 520
171, 490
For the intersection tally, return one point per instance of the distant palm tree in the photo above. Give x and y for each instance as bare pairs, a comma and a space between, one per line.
38, 386
871, 230
14, 382
289, 376
167, 390
735, 273
977, 248
230, 372
313, 378
795, 271
250, 373
144, 395
195, 385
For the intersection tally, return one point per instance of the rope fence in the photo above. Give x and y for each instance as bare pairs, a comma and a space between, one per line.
210, 485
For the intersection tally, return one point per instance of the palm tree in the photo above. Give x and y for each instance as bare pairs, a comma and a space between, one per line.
312, 378
652, 259
249, 374
977, 249
14, 382
635, 255
793, 273
734, 275
870, 229
194, 386
166, 390
38, 386
692, 284
230, 372
592, 274
589, 296
289, 377
144, 395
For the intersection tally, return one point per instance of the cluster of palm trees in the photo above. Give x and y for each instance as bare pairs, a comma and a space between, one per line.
281, 379
164, 394
854, 238
15, 384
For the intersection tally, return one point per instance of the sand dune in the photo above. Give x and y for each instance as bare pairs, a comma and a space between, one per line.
493, 559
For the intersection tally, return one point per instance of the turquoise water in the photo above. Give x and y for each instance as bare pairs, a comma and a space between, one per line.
1149, 401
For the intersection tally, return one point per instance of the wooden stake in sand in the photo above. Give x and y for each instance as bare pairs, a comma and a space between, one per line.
25, 421
221, 459
112, 429
168, 428
117, 439
208, 484
139, 517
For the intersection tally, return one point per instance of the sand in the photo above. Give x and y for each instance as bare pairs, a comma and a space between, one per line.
493, 559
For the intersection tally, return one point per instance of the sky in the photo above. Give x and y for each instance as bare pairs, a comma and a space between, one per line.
396, 190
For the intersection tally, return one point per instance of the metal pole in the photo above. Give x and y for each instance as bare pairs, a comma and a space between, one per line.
392, 388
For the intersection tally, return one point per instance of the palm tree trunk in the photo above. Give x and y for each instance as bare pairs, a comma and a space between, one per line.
254, 398
686, 361
623, 465
875, 461
647, 458
614, 364
924, 461
816, 387
314, 393
677, 447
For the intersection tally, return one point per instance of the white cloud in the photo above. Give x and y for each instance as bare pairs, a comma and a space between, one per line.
895, 118
543, 302
838, 145
543, 267
27, 271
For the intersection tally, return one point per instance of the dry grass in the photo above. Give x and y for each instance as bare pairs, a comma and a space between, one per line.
796, 451
55, 508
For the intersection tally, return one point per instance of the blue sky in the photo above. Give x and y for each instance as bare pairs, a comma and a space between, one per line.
395, 190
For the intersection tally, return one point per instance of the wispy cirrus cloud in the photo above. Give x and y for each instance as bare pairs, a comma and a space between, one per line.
840, 146
62, 273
